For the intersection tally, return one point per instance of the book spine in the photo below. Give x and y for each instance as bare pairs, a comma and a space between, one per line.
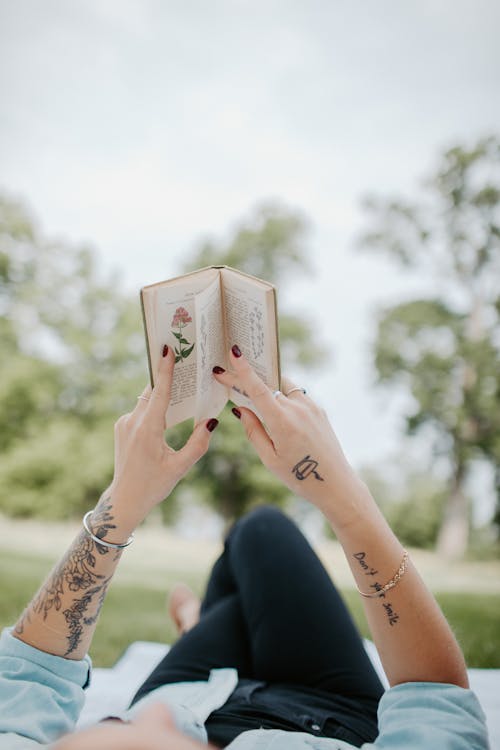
147, 341
275, 299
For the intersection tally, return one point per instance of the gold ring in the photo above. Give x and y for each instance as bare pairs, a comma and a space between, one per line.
144, 398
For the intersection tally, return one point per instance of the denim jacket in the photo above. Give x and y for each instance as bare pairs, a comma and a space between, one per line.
41, 696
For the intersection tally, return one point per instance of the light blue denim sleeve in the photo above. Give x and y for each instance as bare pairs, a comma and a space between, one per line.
412, 716
41, 695
418, 715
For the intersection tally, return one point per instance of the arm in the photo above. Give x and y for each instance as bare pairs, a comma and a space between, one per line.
61, 618
412, 636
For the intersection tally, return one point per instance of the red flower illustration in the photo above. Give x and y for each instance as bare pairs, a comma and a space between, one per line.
181, 318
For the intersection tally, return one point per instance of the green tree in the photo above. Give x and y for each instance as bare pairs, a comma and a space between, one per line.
444, 347
73, 360
270, 243
411, 502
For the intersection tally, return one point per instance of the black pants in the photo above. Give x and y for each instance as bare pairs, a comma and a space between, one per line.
272, 612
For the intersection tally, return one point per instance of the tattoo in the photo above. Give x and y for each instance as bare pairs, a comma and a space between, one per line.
305, 468
360, 557
392, 616
102, 523
76, 572
75, 618
238, 390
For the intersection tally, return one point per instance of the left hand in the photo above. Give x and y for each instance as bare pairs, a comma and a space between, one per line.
146, 467
297, 442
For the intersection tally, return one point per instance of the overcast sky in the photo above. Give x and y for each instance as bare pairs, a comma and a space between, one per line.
142, 125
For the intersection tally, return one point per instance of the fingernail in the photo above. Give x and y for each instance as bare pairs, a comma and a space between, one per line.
218, 370
236, 412
212, 424
165, 350
236, 351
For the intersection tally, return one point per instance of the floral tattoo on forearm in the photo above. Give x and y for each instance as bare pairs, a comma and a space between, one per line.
76, 573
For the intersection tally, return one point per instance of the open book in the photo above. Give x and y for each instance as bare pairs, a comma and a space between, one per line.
200, 316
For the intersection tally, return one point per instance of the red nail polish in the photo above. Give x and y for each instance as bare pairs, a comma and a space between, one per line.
218, 370
236, 351
236, 412
212, 424
165, 350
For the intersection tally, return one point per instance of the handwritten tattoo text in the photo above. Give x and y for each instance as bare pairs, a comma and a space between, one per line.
392, 615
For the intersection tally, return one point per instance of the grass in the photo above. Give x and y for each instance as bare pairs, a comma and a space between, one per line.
137, 612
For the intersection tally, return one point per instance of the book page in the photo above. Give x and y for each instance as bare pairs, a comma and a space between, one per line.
250, 317
212, 396
170, 316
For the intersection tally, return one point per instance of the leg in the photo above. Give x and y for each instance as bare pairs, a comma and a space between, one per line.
300, 629
218, 640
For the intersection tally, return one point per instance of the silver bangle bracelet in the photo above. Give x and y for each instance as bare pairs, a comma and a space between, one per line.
96, 539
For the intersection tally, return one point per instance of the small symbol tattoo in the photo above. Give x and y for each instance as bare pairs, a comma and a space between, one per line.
305, 468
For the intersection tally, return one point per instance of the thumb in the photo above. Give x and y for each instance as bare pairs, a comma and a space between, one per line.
197, 445
257, 435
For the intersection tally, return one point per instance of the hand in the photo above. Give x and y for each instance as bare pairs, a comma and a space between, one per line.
298, 444
146, 467
152, 729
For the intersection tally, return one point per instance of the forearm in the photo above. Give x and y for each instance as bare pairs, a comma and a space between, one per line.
412, 636
298, 444
62, 616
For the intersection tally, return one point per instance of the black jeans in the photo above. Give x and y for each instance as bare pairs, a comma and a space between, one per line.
272, 612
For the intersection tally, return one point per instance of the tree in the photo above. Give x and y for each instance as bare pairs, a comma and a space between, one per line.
270, 244
444, 348
73, 360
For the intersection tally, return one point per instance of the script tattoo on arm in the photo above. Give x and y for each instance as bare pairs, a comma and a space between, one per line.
392, 615
76, 573
305, 467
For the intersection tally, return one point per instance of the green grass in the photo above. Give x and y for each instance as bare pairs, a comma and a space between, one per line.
133, 612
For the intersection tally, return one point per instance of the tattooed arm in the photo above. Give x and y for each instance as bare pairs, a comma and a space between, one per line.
298, 445
62, 616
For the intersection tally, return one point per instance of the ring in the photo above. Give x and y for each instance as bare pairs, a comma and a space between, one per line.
144, 398
277, 393
297, 388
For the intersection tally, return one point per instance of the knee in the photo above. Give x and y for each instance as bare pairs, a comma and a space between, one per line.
261, 524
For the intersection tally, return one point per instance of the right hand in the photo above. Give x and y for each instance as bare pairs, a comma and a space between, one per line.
299, 445
146, 467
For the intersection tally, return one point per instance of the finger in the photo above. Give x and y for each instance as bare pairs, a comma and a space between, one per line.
256, 434
196, 446
256, 389
142, 401
288, 385
160, 397
230, 379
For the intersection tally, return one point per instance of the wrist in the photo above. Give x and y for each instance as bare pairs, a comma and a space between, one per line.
122, 514
345, 501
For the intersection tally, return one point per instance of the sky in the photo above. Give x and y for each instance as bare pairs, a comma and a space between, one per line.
142, 126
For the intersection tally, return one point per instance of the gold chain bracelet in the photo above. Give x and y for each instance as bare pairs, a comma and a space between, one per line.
393, 582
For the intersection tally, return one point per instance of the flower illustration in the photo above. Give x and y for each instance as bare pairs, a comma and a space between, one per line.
179, 321
181, 318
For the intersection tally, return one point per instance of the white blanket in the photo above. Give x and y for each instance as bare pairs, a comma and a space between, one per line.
112, 689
